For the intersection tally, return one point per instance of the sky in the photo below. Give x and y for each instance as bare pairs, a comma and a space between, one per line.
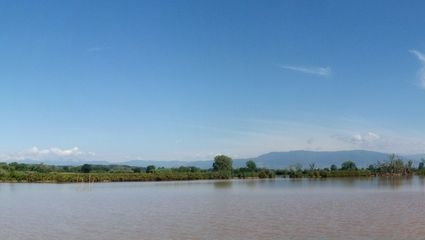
187, 80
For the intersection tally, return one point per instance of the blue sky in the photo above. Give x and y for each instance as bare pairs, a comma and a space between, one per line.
165, 80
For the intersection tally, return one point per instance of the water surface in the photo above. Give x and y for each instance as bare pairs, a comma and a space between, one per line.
370, 208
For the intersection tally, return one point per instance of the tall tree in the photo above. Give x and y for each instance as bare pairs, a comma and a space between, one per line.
348, 165
223, 166
150, 169
251, 165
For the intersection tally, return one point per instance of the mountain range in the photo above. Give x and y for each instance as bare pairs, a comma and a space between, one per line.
274, 160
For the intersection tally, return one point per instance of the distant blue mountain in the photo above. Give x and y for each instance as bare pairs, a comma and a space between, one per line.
65, 162
321, 159
275, 160
415, 157
169, 164
285, 159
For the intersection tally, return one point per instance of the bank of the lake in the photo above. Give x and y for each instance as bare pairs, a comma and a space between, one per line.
221, 169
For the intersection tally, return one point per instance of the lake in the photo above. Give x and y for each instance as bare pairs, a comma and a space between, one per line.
370, 208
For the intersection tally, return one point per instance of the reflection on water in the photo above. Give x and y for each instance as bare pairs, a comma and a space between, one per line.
346, 208
223, 184
366, 182
396, 182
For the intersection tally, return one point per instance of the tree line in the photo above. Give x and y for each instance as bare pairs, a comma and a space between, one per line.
222, 168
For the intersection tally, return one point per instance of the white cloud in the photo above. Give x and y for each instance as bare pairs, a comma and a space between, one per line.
419, 55
319, 71
367, 140
421, 72
382, 143
75, 151
363, 139
36, 153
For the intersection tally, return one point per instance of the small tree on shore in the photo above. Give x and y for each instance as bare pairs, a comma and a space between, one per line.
150, 169
223, 166
251, 166
348, 165
86, 168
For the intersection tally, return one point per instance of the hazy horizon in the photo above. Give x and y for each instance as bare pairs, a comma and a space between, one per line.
187, 80
72, 159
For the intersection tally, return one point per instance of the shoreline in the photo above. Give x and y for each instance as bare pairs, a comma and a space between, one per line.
212, 179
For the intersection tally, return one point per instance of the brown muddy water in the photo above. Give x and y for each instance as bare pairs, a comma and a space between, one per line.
370, 208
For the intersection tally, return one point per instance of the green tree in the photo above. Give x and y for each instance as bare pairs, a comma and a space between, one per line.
222, 163
251, 166
334, 167
348, 165
223, 166
394, 166
371, 168
150, 169
86, 168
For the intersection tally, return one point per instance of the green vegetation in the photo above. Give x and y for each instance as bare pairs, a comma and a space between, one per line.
348, 166
251, 171
222, 168
394, 166
19, 172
